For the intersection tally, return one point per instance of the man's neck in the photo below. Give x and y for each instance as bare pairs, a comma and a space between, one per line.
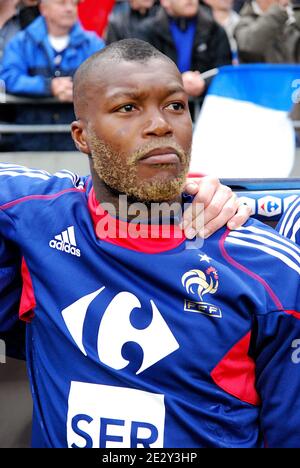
259, 6
56, 31
141, 11
221, 15
126, 207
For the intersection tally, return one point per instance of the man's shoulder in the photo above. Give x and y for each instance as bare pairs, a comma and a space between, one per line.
120, 15
19, 184
17, 40
36, 30
28, 38
78, 35
270, 259
13, 24
248, 11
263, 241
157, 22
289, 224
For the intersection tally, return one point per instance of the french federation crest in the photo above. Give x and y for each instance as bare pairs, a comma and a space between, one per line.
199, 283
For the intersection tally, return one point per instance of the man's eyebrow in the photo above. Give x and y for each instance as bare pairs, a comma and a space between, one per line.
175, 89
138, 94
125, 94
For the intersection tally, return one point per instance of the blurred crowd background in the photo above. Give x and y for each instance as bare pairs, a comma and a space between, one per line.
43, 42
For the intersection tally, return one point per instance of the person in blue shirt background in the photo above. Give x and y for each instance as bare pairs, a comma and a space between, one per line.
187, 33
40, 62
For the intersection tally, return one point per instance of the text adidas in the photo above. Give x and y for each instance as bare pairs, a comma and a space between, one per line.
66, 242
59, 245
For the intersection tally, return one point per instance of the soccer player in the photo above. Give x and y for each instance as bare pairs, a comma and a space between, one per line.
289, 224
136, 336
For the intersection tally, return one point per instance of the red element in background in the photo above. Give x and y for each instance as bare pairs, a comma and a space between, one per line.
195, 174
93, 14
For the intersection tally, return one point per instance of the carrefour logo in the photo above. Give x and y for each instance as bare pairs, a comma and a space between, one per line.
116, 329
269, 206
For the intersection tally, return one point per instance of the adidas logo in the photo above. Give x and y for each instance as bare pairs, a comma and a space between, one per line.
66, 242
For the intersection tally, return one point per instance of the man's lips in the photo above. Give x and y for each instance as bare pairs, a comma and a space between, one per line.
160, 156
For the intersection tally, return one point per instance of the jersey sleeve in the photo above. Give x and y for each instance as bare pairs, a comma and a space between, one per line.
12, 331
270, 264
289, 224
277, 358
19, 182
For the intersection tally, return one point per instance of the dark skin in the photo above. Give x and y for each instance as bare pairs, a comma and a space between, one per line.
135, 114
155, 116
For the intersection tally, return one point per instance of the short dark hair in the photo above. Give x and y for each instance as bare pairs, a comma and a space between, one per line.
131, 50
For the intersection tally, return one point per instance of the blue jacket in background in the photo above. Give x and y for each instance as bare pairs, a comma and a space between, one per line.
28, 66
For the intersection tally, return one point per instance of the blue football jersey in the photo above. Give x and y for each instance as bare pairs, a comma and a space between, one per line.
148, 342
289, 224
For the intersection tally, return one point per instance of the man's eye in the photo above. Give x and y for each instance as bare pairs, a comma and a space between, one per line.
176, 106
127, 108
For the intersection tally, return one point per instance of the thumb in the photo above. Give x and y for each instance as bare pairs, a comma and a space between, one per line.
191, 187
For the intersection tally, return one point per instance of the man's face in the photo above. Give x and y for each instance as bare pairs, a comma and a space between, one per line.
184, 8
266, 4
11, 3
141, 4
29, 3
62, 13
224, 5
139, 130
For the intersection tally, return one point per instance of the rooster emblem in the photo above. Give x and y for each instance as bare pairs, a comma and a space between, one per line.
205, 283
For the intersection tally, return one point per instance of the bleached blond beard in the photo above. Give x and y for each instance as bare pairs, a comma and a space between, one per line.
121, 176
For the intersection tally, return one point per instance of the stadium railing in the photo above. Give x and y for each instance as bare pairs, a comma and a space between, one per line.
12, 100
9, 100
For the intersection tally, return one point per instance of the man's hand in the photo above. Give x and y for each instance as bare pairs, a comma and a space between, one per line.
214, 205
193, 84
62, 88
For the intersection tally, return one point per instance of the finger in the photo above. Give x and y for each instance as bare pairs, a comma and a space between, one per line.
223, 200
190, 231
228, 212
242, 215
191, 187
193, 214
207, 188
193, 220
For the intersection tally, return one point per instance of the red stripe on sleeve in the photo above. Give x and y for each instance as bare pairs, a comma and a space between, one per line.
235, 373
293, 313
28, 302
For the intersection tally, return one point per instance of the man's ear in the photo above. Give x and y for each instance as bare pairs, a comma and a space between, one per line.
79, 136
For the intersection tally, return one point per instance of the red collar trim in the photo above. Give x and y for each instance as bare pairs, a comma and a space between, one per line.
152, 239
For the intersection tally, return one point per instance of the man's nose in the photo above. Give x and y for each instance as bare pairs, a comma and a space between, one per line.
157, 125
